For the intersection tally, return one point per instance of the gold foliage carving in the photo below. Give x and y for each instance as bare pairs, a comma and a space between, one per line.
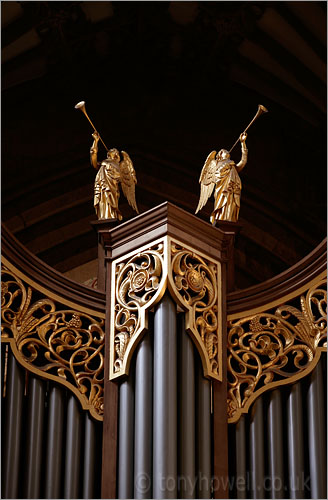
64, 345
195, 281
139, 280
275, 347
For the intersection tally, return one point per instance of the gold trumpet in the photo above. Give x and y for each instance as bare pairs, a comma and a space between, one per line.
260, 110
81, 106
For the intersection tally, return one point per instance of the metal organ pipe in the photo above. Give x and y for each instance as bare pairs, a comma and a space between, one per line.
241, 470
316, 434
13, 423
186, 484
275, 445
165, 400
256, 444
54, 442
89, 456
35, 419
73, 448
126, 438
295, 441
143, 440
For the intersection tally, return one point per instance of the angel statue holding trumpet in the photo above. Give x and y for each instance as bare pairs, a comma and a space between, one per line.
221, 172
111, 172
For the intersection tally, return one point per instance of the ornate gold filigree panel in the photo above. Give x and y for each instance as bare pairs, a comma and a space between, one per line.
195, 282
138, 282
275, 347
54, 342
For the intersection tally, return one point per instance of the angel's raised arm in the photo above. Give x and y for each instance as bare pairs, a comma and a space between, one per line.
244, 152
94, 150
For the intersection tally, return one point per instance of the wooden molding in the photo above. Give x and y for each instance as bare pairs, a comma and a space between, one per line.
282, 285
169, 220
47, 277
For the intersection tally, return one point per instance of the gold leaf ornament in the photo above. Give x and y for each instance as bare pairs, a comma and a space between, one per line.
65, 345
272, 348
137, 282
195, 280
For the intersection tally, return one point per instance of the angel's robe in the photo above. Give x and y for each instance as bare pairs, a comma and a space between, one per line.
106, 190
227, 192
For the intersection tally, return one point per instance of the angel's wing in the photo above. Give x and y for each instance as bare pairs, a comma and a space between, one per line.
207, 180
128, 180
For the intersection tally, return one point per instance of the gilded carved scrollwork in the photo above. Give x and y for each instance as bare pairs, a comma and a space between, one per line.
273, 348
65, 345
194, 281
139, 280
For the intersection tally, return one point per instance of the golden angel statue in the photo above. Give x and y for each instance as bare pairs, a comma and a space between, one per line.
111, 172
222, 172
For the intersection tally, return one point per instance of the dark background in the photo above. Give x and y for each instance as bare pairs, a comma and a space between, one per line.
168, 82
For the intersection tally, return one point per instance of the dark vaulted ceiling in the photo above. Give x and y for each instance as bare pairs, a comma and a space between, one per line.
168, 82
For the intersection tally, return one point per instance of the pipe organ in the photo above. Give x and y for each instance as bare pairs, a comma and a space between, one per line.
50, 446
163, 383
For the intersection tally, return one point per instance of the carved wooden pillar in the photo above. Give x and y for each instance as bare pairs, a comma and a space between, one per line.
232, 229
109, 454
165, 251
220, 420
102, 228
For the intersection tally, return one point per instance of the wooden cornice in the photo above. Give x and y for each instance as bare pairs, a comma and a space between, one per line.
168, 220
47, 277
282, 285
